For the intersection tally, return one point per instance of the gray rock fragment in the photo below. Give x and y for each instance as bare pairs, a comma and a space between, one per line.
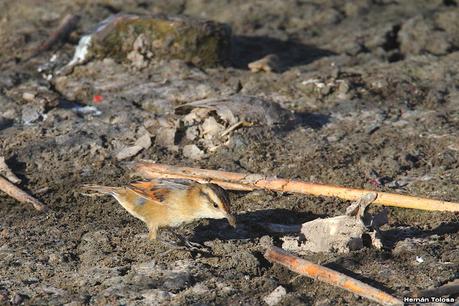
275, 297
193, 152
340, 234
128, 152
144, 141
32, 113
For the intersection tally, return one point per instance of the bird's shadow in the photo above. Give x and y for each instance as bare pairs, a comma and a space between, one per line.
303, 119
252, 225
290, 53
394, 235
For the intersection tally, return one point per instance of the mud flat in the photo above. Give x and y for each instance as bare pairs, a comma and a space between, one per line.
363, 94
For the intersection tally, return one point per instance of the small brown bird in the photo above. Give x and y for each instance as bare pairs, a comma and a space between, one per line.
160, 203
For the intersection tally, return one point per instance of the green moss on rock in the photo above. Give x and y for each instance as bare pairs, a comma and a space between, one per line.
203, 43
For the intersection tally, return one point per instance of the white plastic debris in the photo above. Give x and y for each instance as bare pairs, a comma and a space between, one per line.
87, 110
81, 51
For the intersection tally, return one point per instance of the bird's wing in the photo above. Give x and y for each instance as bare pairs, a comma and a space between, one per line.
157, 190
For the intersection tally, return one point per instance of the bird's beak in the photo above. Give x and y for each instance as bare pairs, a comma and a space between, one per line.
231, 220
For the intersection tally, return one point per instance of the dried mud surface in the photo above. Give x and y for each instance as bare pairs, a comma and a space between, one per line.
373, 86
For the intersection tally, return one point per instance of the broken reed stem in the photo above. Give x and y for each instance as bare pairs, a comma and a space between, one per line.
65, 27
14, 192
329, 276
247, 182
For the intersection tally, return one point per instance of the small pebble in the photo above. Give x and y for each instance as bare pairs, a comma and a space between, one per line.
276, 296
193, 152
128, 152
17, 299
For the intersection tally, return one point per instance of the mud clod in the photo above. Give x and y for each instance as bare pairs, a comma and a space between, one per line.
364, 95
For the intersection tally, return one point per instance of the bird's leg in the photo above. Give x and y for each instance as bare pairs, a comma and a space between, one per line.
153, 235
180, 242
153, 231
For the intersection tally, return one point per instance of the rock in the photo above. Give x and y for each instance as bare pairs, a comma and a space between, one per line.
192, 133
275, 297
193, 152
419, 35
266, 242
173, 278
53, 290
54, 259
140, 38
146, 268
211, 128
28, 96
324, 302
449, 22
199, 289
136, 56
128, 152
155, 296
157, 106
340, 234
144, 141
3, 296
32, 113
18, 299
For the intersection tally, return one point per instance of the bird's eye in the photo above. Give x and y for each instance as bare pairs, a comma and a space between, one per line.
215, 205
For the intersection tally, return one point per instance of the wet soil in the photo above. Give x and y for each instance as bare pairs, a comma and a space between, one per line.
373, 86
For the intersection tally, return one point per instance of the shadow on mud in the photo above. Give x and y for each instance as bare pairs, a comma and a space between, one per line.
392, 236
339, 267
246, 49
251, 225
303, 119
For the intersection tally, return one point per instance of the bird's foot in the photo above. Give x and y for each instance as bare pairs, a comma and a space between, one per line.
179, 242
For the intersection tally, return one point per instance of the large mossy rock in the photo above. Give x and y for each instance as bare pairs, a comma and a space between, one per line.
203, 43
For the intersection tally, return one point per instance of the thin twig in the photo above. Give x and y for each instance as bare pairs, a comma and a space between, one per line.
235, 126
14, 192
329, 276
65, 27
247, 182
7, 173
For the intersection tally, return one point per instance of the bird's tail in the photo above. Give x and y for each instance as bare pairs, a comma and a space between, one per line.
99, 190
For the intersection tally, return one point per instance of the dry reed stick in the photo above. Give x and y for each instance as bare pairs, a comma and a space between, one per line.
329, 276
20, 195
241, 181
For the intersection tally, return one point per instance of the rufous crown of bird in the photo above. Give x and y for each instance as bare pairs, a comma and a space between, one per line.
169, 203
